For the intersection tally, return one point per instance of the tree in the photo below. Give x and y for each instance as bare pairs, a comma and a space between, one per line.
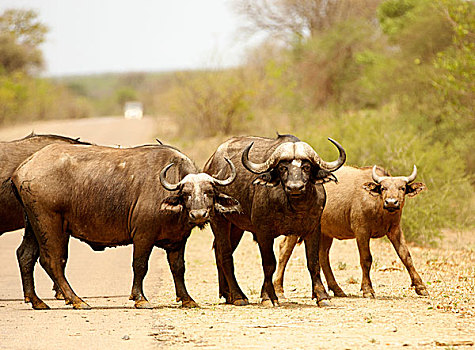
212, 102
21, 33
125, 94
299, 19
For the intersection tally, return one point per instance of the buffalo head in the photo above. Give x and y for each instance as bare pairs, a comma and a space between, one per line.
198, 194
294, 165
393, 189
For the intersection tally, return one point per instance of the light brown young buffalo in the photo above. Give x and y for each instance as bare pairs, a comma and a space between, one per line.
362, 205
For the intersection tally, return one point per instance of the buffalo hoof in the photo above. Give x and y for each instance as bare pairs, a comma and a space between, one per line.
241, 302
421, 290
280, 294
269, 303
39, 305
59, 295
368, 294
36, 303
339, 293
81, 306
324, 303
143, 304
189, 304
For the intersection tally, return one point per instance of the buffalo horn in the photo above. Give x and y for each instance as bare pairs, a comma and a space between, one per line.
261, 167
164, 182
411, 177
231, 177
408, 179
376, 177
336, 164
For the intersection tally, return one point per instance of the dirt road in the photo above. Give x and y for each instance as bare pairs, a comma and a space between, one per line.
396, 318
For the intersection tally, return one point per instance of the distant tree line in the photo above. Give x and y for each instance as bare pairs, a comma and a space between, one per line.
23, 94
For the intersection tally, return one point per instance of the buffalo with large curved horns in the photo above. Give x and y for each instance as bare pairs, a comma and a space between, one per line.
109, 197
286, 198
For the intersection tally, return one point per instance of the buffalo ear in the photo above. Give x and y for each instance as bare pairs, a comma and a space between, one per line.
322, 176
268, 179
172, 204
413, 189
225, 204
373, 189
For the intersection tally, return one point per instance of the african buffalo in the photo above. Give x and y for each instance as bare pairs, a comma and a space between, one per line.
12, 154
363, 205
286, 198
109, 197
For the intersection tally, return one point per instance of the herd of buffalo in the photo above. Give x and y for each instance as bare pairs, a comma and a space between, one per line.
154, 195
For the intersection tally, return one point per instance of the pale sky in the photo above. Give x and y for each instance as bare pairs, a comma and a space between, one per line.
93, 36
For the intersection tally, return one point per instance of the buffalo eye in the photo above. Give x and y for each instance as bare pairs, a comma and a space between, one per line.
403, 188
282, 168
307, 168
185, 195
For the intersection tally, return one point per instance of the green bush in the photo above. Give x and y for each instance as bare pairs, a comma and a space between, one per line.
23, 98
211, 103
326, 66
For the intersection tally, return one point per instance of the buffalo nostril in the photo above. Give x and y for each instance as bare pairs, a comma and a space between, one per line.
391, 202
199, 215
296, 188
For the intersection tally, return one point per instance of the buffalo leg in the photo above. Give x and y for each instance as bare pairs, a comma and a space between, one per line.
312, 243
236, 235
51, 261
397, 239
27, 255
176, 261
222, 283
286, 248
224, 260
268, 296
53, 243
362, 240
324, 254
57, 292
141, 256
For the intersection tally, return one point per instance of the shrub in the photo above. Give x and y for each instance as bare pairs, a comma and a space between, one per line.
24, 98
212, 102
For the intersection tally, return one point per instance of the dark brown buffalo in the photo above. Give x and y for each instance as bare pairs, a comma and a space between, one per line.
286, 198
363, 205
109, 197
12, 154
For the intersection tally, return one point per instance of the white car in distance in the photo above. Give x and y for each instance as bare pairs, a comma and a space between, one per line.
133, 110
